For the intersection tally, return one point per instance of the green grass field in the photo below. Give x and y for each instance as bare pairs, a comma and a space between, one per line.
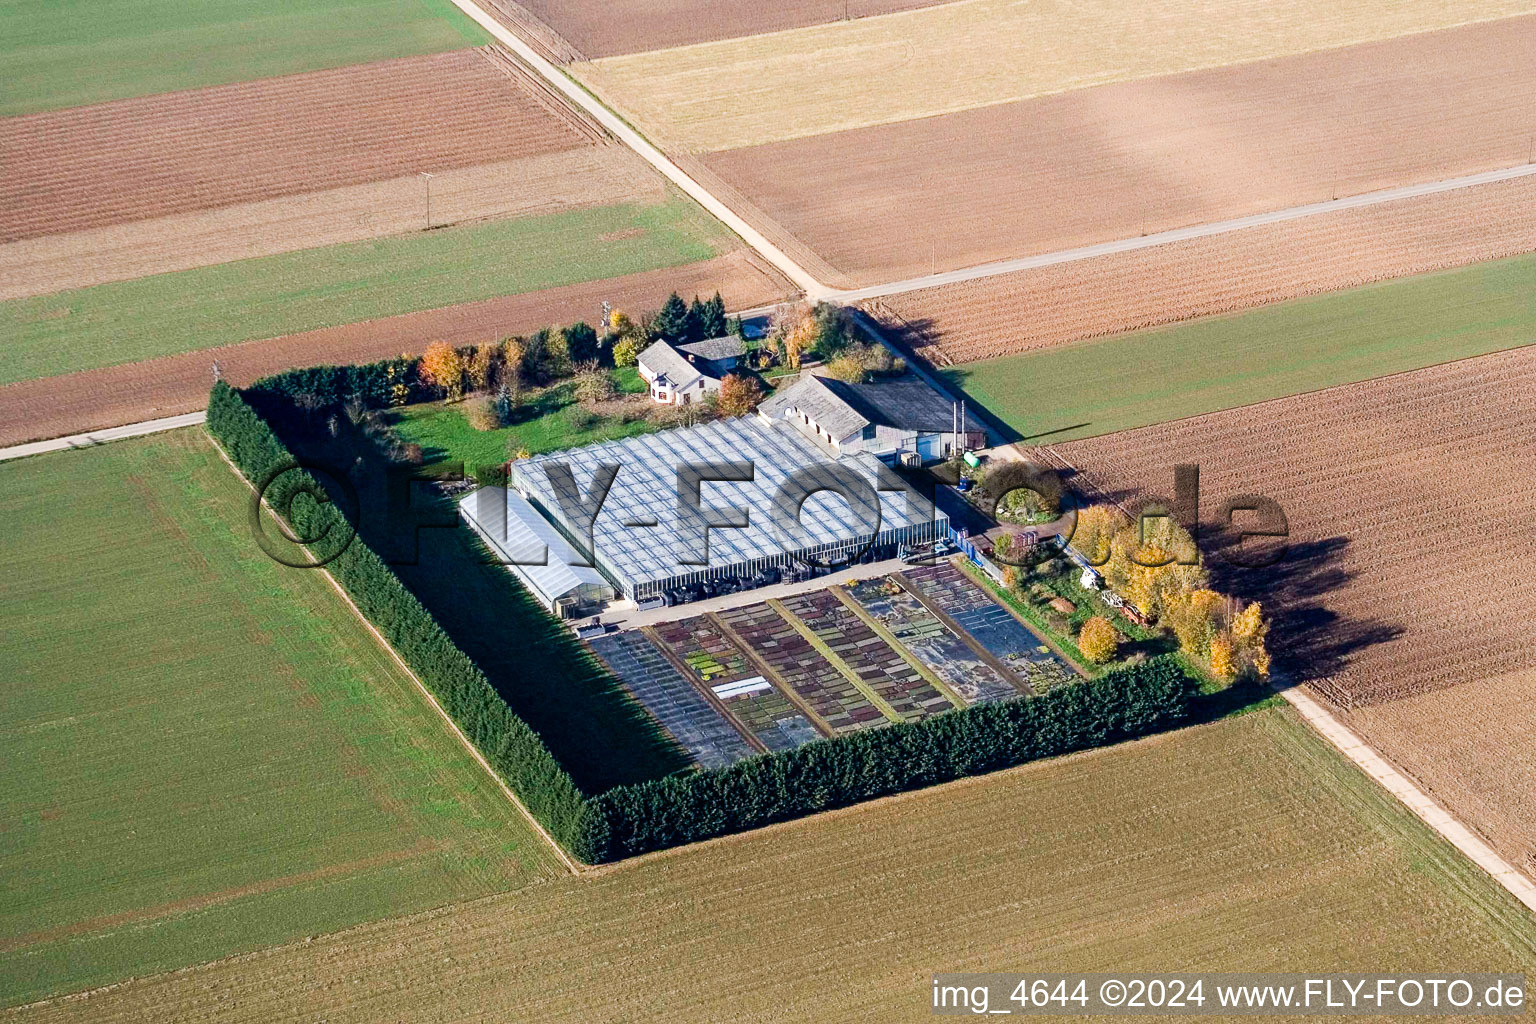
1132, 380
1244, 845
128, 321
547, 422
66, 53
206, 752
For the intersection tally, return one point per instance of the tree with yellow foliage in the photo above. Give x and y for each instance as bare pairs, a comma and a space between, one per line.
1249, 633
1098, 640
1223, 661
442, 368
481, 367
1096, 527
1146, 572
799, 340
626, 351
1192, 617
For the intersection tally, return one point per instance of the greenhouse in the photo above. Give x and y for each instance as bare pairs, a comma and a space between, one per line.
730, 499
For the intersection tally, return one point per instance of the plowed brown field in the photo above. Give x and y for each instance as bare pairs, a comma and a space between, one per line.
531, 185
1409, 502
1035, 309
902, 200
92, 399
602, 28
197, 150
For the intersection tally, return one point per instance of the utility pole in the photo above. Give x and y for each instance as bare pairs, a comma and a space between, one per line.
428, 176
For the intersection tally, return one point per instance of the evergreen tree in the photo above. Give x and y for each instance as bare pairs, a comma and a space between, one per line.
694, 329
581, 342
671, 322
712, 318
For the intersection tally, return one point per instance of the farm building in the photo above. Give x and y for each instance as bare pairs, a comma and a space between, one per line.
646, 542
886, 419
681, 374
526, 543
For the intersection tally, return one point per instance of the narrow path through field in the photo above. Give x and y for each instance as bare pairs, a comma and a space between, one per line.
1219, 227
1411, 796
103, 436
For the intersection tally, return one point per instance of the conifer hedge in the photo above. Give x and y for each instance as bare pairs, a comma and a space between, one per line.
819, 776
507, 742
629, 820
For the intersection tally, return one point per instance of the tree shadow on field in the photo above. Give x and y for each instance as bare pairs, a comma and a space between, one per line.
1309, 639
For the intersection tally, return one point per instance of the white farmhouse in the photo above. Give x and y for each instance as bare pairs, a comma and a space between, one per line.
683, 374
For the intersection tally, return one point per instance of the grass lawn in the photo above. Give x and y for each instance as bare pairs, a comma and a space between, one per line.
1243, 845
1132, 380
127, 321
207, 752
548, 421
66, 53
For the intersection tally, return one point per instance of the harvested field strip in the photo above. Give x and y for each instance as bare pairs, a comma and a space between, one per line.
715, 662
1380, 597
1204, 277
1469, 746
880, 668
656, 683
991, 625
247, 765
593, 28
902, 200
974, 53
1349, 881
526, 186
921, 632
1353, 599
1098, 387
795, 663
284, 294
142, 158
55, 406
68, 53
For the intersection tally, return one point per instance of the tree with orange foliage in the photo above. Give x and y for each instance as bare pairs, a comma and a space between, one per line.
443, 368
738, 395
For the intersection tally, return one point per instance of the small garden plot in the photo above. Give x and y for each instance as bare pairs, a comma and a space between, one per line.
767, 712
933, 642
878, 665
697, 726
991, 625
803, 668
719, 664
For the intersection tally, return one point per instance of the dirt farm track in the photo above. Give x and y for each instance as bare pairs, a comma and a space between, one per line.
1409, 505
900, 200
1034, 309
